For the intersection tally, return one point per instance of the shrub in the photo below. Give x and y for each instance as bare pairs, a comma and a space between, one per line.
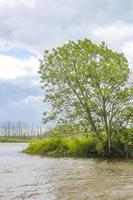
84, 146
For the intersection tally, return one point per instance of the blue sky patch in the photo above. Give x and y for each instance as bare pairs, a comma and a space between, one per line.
18, 53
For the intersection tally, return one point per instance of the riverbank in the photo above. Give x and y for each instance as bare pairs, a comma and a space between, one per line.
79, 146
14, 140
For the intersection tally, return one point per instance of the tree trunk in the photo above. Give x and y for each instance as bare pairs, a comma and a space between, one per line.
108, 144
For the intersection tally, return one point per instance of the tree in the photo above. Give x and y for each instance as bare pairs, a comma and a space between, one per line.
88, 84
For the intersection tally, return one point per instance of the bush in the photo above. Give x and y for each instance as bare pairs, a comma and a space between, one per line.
84, 146
58, 146
122, 145
37, 147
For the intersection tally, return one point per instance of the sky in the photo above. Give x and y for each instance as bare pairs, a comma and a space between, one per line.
29, 27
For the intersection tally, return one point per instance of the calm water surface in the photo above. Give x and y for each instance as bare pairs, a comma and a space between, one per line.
34, 178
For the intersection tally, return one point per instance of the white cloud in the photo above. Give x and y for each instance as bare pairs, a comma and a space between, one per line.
39, 24
29, 109
31, 103
28, 82
128, 52
35, 24
114, 34
12, 68
32, 100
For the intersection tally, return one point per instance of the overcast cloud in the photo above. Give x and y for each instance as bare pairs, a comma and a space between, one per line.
29, 27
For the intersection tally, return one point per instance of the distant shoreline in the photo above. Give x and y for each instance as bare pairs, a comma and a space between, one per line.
14, 140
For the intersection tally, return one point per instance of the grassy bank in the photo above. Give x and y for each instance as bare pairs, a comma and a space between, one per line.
79, 146
15, 140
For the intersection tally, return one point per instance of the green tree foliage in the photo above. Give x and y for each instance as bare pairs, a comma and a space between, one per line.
90, 85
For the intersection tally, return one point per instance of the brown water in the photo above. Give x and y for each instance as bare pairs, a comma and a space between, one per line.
35, 178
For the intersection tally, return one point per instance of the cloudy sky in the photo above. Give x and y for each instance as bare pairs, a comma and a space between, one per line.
29, 27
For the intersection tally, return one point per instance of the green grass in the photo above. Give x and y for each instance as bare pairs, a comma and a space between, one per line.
65, 147
81, 146
14, 140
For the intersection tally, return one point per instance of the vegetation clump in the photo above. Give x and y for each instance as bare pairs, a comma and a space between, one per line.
84, 146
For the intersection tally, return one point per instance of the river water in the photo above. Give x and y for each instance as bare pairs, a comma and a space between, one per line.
35, 178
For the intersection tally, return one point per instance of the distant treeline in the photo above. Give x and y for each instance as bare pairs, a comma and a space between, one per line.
21, 129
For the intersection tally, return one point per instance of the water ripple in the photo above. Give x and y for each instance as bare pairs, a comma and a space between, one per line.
34, 178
